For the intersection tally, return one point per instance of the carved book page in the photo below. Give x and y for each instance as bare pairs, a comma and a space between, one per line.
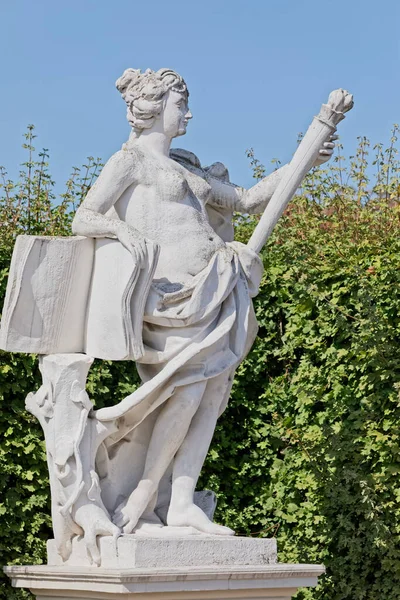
118, 294
75, 294
45, 307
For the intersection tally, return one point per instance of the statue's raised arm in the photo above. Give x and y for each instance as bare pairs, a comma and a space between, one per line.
316, 147
255, 199
322, 128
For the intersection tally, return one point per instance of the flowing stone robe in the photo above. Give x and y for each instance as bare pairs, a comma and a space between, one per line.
200, 332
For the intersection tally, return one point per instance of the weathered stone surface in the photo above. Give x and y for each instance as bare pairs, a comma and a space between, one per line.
170, 550
275, 582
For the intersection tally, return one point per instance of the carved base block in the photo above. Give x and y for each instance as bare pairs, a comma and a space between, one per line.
170, 550
273, 582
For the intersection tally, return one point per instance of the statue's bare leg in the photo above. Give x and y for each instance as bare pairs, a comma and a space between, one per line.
189, 461
168, 434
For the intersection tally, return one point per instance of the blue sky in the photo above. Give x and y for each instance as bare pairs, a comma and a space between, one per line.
257, 72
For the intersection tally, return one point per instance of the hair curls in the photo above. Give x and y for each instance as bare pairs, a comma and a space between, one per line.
144, 92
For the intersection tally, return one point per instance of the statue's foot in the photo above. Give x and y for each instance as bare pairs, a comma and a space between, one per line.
192, 516
127, 514
149, 522
145, 527
126, 517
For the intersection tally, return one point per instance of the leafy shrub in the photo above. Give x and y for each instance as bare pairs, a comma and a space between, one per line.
308, 449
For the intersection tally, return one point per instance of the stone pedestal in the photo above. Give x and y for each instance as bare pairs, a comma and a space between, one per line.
167, 567
170, 550
273, 582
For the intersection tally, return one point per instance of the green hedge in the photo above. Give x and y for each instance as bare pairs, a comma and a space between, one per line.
308, 449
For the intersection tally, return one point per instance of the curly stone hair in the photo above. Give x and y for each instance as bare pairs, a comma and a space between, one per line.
144, 92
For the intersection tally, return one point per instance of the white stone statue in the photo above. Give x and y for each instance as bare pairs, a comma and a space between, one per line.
161, 281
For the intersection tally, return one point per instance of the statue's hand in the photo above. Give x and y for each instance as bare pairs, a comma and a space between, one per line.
133, 241
326, 151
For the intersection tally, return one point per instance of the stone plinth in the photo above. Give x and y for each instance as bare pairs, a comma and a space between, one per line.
273, 582
170, 551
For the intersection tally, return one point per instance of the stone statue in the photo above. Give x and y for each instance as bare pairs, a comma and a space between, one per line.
161, 281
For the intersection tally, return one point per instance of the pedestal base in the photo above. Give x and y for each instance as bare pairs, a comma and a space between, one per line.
170, 549
273, 582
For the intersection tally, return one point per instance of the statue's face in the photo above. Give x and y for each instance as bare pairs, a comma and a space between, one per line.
176, 114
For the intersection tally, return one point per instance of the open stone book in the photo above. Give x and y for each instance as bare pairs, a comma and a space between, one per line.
76, 294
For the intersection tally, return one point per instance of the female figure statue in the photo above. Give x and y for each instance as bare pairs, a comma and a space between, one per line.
198, 321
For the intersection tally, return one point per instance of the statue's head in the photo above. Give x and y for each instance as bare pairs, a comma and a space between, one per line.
155, 96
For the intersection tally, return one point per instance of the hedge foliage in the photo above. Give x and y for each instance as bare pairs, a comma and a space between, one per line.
308, 449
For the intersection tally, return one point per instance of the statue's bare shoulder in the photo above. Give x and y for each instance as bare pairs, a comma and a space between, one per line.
123, 169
